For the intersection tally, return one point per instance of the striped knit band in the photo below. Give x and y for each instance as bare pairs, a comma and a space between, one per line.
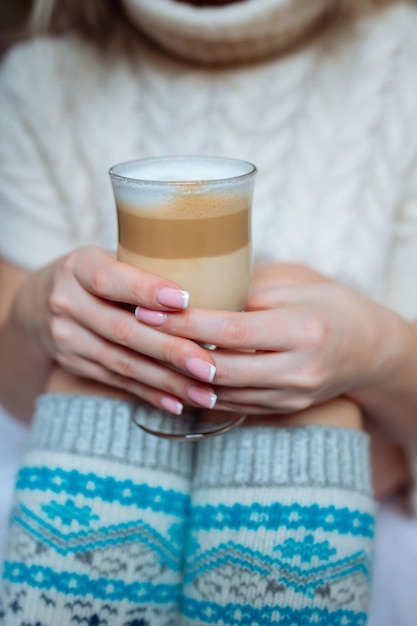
102, 427
300, 456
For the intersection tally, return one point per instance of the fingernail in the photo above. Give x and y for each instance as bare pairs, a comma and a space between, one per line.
174, 298
172, 406
202, 397
201, 369
148, 316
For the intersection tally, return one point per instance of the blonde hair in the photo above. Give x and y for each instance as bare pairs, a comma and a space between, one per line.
102, 21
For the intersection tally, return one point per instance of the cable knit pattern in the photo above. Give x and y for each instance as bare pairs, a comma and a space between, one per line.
330, 125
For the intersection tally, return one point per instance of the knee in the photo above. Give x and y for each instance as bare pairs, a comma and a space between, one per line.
339, 413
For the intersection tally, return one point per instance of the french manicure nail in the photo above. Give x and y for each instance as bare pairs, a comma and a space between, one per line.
203, 398
174, 298
172, 406
201, 369
149, 316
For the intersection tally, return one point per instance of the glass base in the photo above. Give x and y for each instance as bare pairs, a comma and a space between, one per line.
189, 427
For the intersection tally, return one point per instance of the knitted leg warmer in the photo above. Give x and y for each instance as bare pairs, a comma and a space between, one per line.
97, 529
281, 529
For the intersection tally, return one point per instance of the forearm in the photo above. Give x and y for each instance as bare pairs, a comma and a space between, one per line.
24, 369
24, 365
389, 396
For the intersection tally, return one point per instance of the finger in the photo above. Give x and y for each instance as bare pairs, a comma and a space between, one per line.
264, 398
255, 330
252, 409
264, 401
77, 344
102, 275
155, 397
262, 370
121, 327
306, 379
262, 299
281, 274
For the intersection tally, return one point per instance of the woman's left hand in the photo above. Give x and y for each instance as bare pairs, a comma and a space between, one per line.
297, 346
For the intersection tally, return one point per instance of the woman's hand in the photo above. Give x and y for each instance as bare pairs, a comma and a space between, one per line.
302, 345
74, 309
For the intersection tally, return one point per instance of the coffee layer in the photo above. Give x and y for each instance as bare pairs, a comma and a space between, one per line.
215, 282
165, 237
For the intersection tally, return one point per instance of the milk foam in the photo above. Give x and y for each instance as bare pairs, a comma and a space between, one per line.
183, 169
157, 181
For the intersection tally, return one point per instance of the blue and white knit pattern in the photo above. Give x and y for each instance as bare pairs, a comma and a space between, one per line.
109, 529
98, 527
280, 529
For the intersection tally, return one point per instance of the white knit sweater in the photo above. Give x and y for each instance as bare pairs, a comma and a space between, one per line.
331, 123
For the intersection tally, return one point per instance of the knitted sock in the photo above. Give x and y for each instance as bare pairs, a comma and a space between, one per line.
280, 530
97, 529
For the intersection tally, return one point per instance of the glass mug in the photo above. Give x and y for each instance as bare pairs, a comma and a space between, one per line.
188, 218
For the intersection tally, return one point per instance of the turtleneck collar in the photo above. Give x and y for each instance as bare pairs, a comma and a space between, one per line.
238, 32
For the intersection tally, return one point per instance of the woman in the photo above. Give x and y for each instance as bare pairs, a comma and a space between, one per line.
281, 518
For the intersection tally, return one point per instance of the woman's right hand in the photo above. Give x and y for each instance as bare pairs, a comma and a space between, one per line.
79, 319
